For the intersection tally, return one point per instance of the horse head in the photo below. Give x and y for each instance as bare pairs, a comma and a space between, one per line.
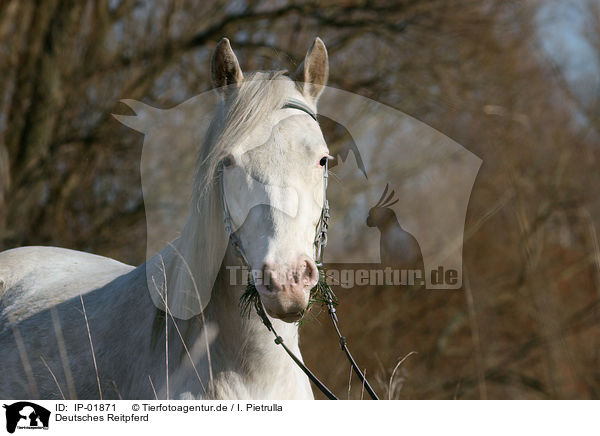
273, 177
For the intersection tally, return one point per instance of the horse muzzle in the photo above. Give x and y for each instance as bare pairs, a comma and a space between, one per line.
285, 289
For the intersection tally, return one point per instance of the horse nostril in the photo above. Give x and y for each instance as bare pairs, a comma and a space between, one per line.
293, 278
310, 273
266, 277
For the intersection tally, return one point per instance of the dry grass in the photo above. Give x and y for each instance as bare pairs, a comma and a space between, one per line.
87, 325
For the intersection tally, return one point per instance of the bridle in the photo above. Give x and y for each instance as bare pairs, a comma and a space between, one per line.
320, 243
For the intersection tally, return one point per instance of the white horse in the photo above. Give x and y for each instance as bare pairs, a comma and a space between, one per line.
77, 325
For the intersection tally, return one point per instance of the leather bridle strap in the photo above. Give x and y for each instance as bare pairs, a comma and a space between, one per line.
297, 104
260, 310
346, 350
320, 244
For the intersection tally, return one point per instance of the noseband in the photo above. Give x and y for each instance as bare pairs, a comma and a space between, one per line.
319, 245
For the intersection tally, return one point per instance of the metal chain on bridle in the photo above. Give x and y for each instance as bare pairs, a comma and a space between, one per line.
320, 243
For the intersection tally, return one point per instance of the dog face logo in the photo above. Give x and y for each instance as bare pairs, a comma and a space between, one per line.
26, 415
418, 224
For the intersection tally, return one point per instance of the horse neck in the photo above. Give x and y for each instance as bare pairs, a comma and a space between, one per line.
242, 357
244, 361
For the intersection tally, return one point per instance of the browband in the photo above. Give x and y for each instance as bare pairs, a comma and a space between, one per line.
297, 104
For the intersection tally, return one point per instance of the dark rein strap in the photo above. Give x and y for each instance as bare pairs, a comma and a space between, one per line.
279, 341
346, 350
343, 344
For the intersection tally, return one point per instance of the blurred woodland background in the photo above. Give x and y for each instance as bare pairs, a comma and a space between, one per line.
514, 81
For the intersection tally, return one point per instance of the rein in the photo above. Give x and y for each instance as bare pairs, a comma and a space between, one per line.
319, 243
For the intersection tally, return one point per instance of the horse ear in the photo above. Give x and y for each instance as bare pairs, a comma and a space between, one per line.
314, 71
224, 68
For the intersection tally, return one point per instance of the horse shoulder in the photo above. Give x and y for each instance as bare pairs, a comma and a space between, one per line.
33, 279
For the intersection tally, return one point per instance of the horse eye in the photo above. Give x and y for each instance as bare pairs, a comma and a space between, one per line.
323, 161
227, 161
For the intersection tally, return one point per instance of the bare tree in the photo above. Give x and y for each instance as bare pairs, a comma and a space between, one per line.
69, 173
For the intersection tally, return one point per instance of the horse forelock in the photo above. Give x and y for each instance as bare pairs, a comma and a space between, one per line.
260, 94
